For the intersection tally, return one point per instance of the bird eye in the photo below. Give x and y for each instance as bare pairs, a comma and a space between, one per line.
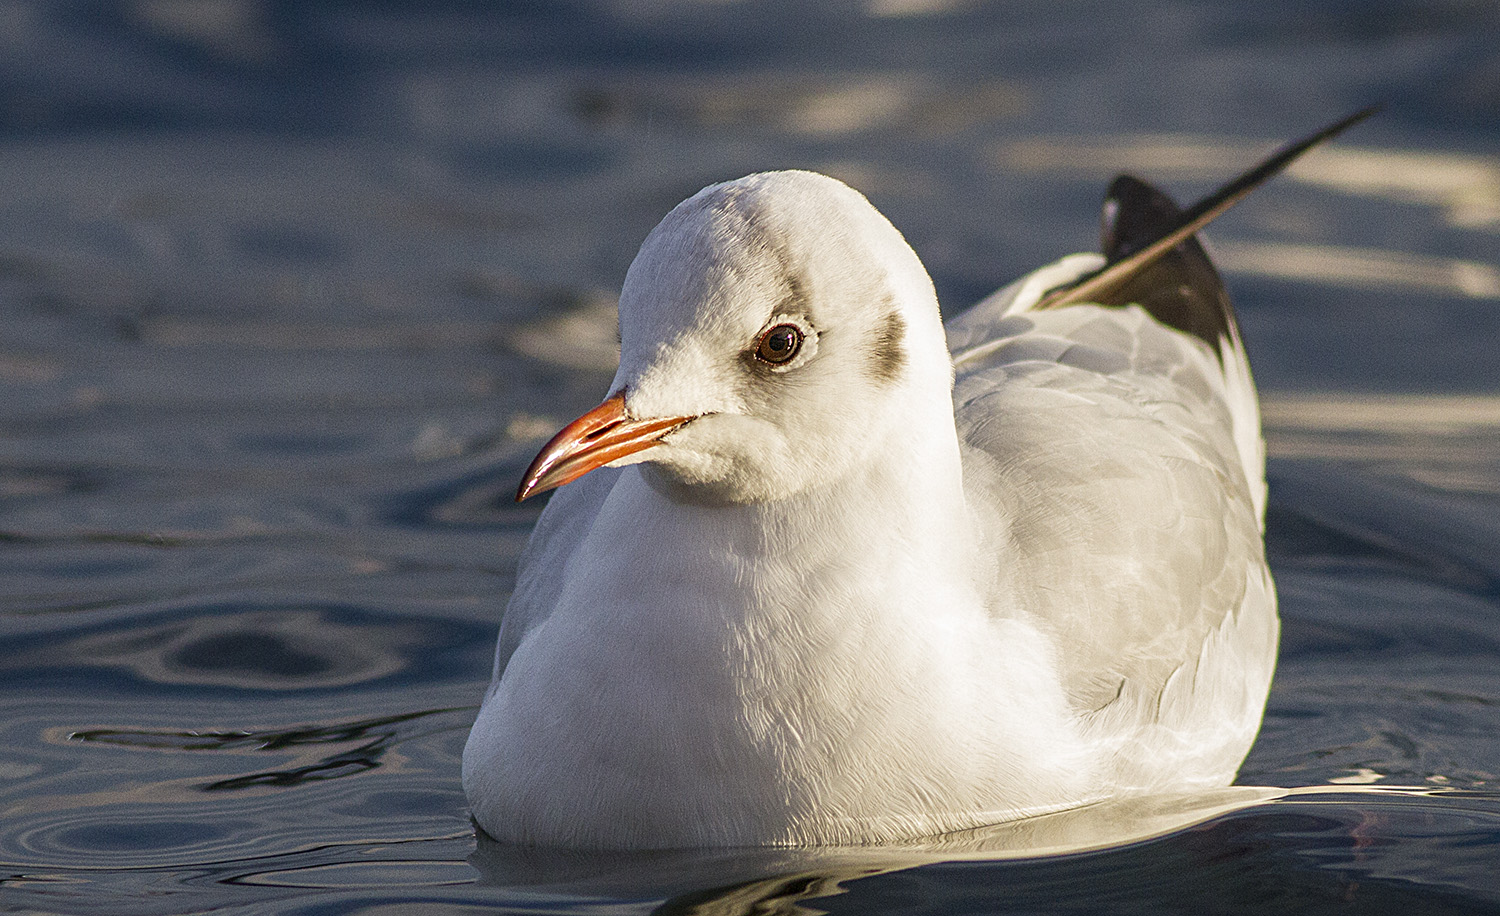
779, 344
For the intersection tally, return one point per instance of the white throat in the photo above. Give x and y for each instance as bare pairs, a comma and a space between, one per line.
757, 659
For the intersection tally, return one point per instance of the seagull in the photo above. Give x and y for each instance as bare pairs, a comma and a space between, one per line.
825, 571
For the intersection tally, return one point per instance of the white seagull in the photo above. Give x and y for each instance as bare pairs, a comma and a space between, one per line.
842, 575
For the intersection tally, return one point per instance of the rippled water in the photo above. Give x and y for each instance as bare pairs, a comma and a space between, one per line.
290, 293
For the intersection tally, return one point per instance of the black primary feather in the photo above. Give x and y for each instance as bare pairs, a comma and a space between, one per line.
1181, 288
1153, 259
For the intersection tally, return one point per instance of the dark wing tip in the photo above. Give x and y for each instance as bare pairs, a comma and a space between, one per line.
1180, 288
1144, 205
1135, 213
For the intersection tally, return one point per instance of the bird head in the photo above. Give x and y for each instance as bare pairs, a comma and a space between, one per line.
773, 330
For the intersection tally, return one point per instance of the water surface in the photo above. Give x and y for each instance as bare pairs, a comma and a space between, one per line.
291, 292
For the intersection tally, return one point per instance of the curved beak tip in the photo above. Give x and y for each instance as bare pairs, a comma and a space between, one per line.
600, 436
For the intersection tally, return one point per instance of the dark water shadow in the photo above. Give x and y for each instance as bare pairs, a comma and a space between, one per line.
376, 738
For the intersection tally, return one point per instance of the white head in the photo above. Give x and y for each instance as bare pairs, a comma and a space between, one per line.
773, 330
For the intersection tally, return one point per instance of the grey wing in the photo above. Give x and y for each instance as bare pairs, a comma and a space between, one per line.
1179, 287
1096, 437
539, 579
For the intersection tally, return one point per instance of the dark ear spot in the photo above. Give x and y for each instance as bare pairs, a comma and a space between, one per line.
887, 355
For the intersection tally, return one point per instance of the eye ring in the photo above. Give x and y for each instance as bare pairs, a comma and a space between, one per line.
780, 344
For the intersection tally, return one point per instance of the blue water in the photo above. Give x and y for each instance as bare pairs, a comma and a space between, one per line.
291, 292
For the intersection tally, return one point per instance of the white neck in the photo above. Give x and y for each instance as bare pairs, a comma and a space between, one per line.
767, 674
899, 513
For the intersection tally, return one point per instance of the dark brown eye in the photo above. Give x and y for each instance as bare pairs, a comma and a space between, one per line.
779, 344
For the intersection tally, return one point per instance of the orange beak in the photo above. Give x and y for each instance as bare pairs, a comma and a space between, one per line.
600, 436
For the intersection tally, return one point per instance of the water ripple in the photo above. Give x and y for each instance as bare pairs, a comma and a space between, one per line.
373, 737
257, 646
